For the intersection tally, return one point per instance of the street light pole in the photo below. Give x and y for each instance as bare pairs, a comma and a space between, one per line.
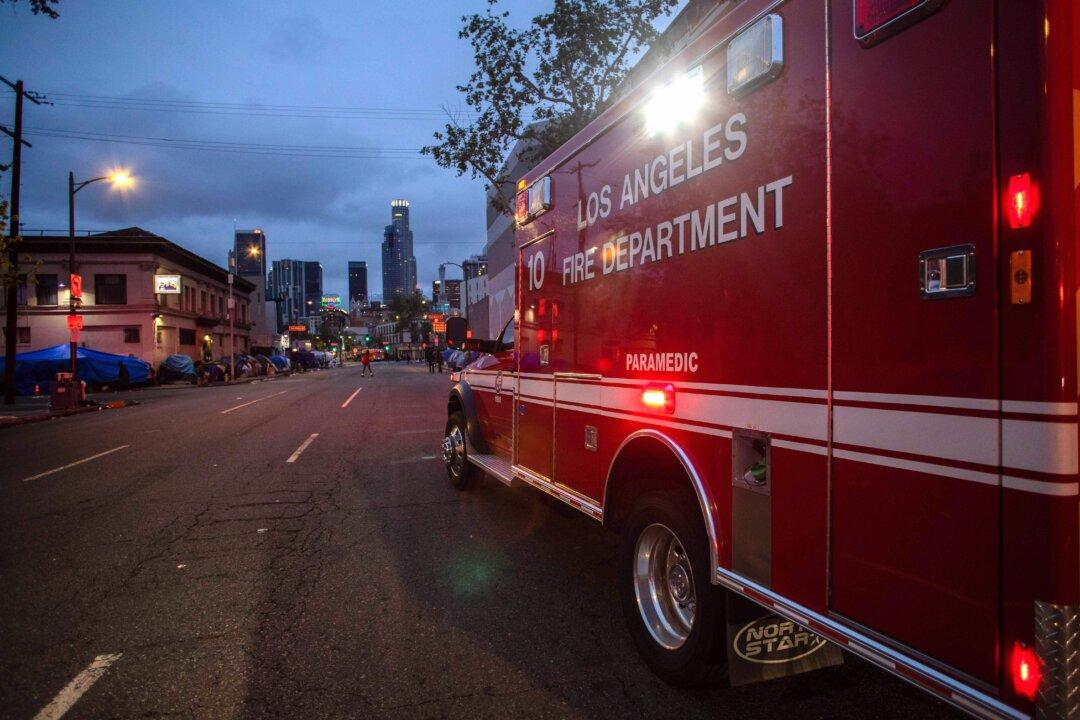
118, 179
72, 310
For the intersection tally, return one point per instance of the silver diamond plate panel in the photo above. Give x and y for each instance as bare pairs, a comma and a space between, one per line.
1057, 642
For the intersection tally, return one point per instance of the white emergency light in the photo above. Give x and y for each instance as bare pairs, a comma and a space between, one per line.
676, 102
756, 55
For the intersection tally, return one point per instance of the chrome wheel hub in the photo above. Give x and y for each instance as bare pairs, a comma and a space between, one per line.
664, 586
453, 450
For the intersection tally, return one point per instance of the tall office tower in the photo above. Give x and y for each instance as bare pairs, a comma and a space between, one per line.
293, 283
398, 261
358, 295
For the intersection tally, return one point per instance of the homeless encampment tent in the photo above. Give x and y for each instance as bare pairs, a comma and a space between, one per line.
39, 368
177, 368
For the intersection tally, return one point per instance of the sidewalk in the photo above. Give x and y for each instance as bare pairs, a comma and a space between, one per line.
35, 409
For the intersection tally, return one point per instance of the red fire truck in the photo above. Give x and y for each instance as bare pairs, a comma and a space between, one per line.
797, 317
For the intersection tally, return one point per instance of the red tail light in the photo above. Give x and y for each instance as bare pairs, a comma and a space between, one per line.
1021, 201
1026, 670
657, 396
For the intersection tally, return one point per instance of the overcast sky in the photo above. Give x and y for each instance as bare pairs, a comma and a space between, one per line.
400, 56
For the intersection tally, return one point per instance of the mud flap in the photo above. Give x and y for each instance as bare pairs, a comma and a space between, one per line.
764, 646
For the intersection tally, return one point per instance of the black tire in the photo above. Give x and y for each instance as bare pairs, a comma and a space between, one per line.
701, 658
461, 473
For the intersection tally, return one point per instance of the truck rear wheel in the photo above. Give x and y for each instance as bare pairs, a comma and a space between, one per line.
674, 614
461, 472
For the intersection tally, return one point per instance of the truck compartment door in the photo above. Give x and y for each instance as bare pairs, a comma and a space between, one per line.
915, 454
534, 406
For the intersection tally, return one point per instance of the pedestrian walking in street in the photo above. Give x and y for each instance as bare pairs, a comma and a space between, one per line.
429, 355
365, 363
439, 358
123, 378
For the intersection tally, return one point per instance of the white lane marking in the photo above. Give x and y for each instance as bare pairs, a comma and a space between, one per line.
414, 460
302, 448
77, 462
355, 393
75, 689
252, 402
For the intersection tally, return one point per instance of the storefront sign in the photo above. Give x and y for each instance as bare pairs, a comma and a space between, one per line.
167, 284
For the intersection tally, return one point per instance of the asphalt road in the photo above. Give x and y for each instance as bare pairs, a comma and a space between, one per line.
350, 582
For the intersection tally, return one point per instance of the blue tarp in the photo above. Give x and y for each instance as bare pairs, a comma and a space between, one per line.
177, 367
280, 362
40, 367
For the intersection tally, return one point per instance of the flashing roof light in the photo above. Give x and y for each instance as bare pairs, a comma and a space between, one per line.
659, 396
1026, 670
676, 102
1021, 201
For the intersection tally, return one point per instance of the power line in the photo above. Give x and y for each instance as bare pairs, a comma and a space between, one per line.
280, 150
253, 109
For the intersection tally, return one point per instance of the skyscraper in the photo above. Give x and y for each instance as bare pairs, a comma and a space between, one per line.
398, 261
293, 283
249, 258
358, 295
249, 248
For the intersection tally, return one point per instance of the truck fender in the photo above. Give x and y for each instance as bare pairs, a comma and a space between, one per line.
461, 398
704, 497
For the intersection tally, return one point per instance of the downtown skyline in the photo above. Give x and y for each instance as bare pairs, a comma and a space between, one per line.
325, 209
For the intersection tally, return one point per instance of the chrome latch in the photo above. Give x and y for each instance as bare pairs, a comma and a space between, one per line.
947, 272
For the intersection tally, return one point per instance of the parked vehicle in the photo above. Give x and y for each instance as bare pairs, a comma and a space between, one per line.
798, 318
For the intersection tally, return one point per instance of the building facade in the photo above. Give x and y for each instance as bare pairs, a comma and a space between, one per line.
358, 292
475, 296
296, 289
446, 293
398, 261
121, 312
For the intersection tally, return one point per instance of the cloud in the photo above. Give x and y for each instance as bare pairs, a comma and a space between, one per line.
301, 40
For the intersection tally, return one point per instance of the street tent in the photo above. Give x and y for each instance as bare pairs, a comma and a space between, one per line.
280, 361
177, 368
40, 367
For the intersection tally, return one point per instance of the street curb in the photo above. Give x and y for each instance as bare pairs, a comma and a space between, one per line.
111, 405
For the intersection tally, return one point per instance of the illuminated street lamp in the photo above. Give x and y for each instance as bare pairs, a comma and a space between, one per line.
121, 180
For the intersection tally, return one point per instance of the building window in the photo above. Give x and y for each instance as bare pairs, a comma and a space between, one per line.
187, 336
22, 336
131, 335
110, 289
20, 293
47, 286
202, 301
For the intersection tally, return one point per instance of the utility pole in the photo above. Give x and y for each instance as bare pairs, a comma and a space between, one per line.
232, 315
12, 318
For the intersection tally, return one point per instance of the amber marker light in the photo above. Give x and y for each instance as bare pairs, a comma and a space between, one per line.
661, 397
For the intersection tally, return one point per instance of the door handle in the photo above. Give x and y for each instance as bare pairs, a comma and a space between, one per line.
947, 272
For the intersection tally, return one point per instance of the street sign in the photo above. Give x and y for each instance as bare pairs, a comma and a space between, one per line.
76, 286
75, 322
439, 326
